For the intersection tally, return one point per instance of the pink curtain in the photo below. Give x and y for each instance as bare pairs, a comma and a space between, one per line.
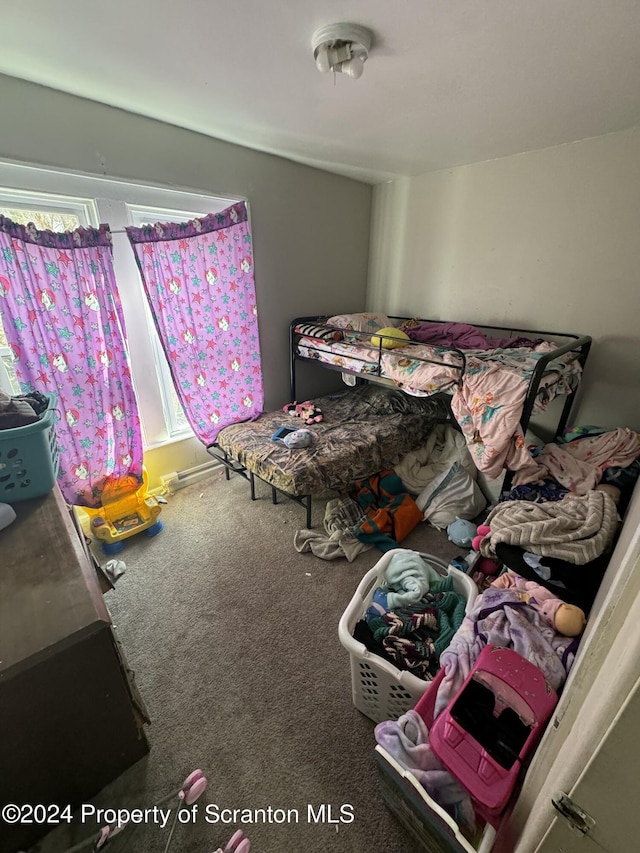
198, 277
62, 316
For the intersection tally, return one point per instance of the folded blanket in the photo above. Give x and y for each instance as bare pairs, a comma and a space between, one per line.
408, 578
577, 529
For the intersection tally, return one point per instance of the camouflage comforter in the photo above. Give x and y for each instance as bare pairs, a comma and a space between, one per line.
365, 430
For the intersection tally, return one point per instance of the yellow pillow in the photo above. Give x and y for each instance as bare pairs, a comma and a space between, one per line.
399, 336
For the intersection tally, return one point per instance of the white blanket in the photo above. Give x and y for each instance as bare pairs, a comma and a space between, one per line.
444, 446
443, 476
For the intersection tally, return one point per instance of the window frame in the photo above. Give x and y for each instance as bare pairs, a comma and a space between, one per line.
83, 208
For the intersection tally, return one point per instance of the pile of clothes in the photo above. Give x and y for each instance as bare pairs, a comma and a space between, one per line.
413, 615
505, 615
21, 410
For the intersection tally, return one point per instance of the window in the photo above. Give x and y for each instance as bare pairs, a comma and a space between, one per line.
51, 213
43, 220
59, 202
8, 381
174, 413
54, 215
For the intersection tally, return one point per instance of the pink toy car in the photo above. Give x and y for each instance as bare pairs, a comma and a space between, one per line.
491, 726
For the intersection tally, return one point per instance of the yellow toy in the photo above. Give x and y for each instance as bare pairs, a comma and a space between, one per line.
390, 338
127, 508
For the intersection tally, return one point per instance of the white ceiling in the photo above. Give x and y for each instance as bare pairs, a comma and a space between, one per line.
447, 82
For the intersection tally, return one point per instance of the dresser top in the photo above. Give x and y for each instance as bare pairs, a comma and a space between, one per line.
49, 592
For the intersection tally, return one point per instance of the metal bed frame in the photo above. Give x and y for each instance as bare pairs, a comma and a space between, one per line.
232, 466
580, 343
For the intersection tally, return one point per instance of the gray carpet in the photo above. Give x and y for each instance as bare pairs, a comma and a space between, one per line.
233, 638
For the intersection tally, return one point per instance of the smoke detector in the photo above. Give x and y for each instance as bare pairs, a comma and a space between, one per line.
341, 47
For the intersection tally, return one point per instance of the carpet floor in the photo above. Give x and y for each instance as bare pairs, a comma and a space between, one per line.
233, 637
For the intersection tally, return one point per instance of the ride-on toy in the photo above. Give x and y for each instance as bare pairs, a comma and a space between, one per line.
127, 508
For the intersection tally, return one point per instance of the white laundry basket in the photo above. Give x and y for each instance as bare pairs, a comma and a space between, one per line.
379, 689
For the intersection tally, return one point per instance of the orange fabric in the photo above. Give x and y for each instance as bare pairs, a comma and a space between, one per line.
391, 512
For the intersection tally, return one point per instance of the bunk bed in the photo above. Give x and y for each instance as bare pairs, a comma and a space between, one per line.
493, 387
488, 391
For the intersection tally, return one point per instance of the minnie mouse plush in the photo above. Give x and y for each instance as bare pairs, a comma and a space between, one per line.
307, 411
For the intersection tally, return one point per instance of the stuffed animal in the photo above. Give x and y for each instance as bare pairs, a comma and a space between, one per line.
297, 439
566, 619
481, 532
461, 532
307, 411
486, 565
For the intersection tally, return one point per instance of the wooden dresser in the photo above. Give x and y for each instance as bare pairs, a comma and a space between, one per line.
71, 719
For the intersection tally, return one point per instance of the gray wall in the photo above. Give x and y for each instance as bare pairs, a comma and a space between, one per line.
546, 239
310, 228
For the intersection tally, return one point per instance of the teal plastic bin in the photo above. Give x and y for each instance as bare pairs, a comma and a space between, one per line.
29, 458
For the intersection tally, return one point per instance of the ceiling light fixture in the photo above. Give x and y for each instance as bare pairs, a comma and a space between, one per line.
341, 47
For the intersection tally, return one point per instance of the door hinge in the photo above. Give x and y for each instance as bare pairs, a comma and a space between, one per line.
576, 817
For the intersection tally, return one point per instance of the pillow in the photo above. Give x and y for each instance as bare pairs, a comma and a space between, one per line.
368, 401
319, 332
382, 338
365, 322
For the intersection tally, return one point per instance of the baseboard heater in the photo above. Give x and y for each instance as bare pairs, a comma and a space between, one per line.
179, 479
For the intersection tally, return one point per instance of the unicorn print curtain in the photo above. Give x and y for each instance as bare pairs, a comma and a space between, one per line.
63, 320
198, 278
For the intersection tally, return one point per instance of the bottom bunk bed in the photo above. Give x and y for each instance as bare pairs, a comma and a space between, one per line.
364, 430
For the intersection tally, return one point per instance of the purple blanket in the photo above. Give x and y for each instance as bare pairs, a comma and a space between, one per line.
462, 336
407, 740
500, 617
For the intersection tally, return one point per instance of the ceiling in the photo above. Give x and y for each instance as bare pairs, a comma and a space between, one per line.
447, 82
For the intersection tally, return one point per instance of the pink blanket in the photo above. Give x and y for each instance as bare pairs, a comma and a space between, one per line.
580, 464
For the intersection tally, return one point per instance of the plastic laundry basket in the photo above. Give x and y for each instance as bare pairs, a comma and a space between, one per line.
379, 689
29, 458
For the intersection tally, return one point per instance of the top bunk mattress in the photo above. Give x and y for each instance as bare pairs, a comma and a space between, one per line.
365, 429
421, 369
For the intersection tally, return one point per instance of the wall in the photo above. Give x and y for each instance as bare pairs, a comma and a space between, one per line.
310, 228
547, 239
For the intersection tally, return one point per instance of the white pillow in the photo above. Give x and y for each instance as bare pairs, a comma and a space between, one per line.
368, 322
